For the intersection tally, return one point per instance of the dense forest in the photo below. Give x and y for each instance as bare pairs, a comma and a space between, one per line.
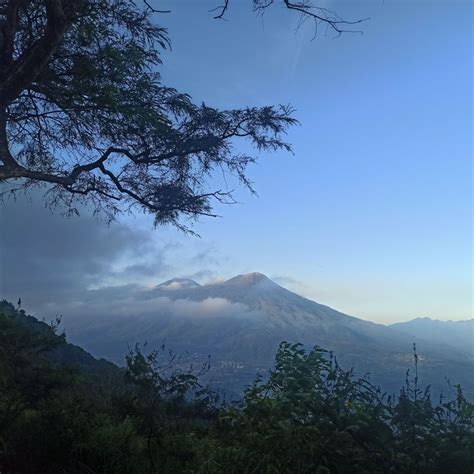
63, 411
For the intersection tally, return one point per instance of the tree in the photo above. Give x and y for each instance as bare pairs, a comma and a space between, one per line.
83, 111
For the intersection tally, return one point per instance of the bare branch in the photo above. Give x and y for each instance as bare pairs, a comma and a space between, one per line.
222, 8
323, 15
154, 10
307, 10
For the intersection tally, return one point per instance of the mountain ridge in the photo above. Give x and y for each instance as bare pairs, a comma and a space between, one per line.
456, 334
242, 320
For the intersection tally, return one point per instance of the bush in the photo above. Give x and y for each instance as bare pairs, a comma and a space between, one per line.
308, 416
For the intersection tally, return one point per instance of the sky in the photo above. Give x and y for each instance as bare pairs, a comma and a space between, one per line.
371, 215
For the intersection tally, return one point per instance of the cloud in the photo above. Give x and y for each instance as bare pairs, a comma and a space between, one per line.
79, 265
108, 320
45, 258
135, 301
131, 309
175, 285
205, 275
146, 269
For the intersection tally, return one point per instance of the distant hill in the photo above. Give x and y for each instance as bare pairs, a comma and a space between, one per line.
101, 370
457, 334
240, 322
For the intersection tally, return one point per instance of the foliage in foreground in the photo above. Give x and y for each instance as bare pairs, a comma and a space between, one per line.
309, 416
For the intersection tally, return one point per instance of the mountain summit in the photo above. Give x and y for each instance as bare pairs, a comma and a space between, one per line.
249, 279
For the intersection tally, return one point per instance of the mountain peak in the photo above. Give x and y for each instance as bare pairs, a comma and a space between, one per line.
248, 279
178, 284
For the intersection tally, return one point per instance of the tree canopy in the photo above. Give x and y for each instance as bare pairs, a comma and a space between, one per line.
83, 110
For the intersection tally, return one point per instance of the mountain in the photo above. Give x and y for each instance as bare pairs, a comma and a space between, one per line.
457, 334
240, 322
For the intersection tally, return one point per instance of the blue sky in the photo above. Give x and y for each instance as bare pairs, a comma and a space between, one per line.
372, 215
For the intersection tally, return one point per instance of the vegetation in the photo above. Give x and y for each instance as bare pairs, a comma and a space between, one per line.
83, 110
310, 415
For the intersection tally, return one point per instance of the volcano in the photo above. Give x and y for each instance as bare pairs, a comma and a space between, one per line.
240, 322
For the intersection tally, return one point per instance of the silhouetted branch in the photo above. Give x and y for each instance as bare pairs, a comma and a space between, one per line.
222, 8
154, 10
322, 15
307, 10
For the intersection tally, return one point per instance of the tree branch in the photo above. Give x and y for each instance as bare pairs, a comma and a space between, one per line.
29, 65
325, 16
14, 170
223, 9
154, 10
305, 8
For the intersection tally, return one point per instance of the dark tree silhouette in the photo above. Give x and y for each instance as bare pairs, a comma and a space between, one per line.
83, 111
